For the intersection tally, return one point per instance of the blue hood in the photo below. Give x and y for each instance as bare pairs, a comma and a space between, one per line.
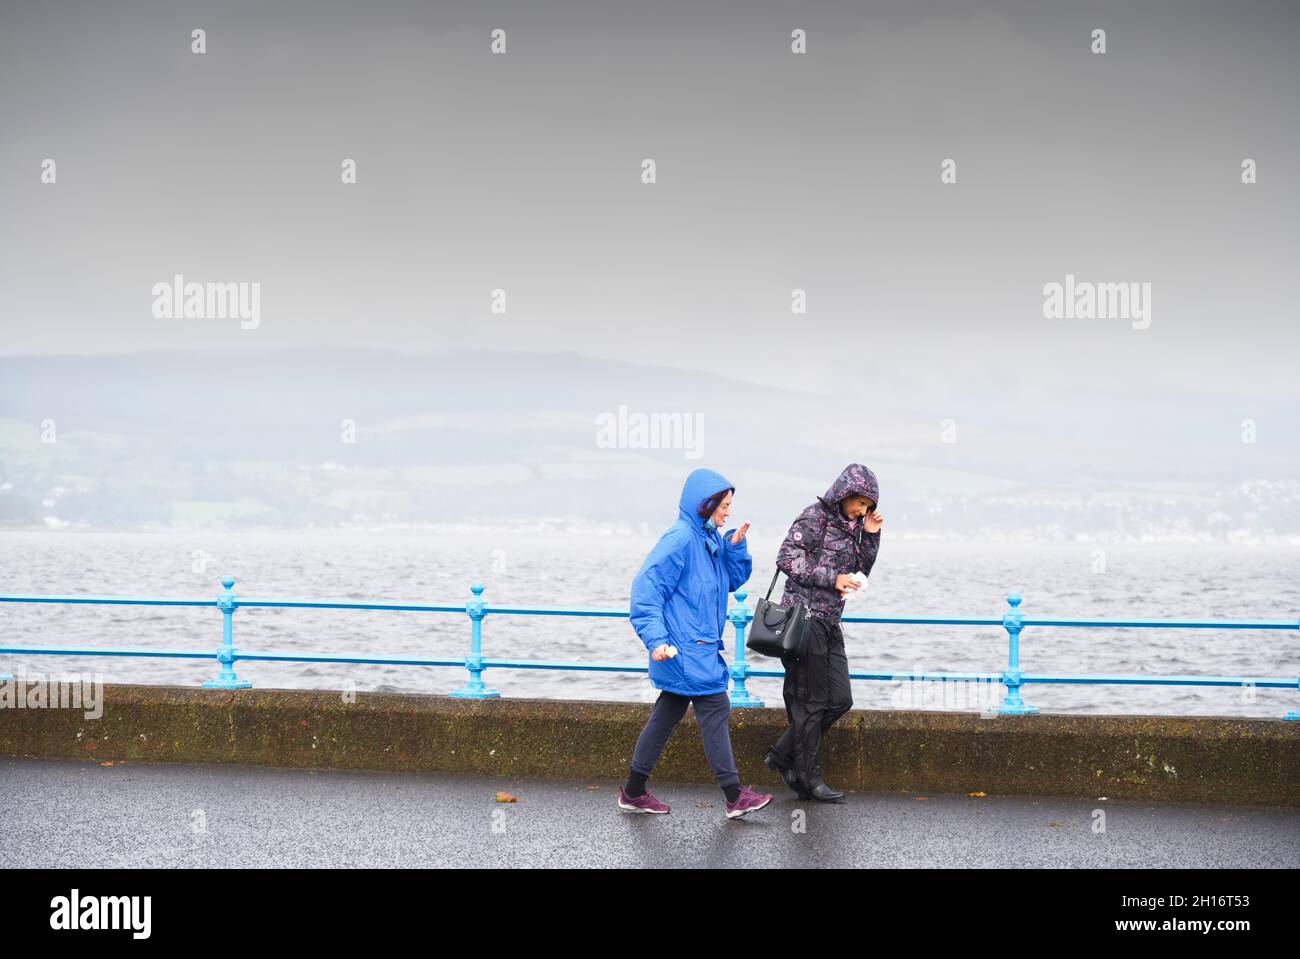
699, 486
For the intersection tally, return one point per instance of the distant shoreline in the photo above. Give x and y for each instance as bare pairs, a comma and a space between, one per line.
577, 531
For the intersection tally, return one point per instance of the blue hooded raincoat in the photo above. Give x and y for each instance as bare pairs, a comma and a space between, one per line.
679, 596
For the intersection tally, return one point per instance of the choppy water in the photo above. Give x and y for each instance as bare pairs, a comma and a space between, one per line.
910, 578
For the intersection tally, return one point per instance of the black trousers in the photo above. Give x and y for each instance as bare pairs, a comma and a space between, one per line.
817, 693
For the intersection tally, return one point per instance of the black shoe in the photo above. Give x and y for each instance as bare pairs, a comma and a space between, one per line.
823, 793
787, 774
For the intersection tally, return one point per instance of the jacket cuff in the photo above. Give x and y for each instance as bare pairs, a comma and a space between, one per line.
652, 644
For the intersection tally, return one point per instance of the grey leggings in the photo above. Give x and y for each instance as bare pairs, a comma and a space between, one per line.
711, 713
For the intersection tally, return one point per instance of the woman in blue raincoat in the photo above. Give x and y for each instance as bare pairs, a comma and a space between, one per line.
679, 610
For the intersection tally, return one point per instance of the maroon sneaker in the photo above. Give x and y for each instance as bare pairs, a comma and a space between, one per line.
747, 802
642, 803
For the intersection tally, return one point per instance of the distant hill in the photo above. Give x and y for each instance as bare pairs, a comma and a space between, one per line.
341, 436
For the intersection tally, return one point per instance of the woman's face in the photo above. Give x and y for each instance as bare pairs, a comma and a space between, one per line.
855, 506
720, 514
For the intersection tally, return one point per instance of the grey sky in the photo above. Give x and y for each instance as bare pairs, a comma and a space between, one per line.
775, 171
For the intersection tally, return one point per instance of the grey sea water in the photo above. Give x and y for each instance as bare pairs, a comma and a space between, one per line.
1066, 579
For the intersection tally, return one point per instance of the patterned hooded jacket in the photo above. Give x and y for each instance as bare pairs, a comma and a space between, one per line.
822, 544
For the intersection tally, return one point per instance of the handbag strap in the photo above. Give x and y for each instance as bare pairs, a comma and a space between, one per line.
817, 555
773, 586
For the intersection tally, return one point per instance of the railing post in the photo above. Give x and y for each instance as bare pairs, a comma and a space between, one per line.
1013, 705
227, 679
740, 617
474, 689
1294, 714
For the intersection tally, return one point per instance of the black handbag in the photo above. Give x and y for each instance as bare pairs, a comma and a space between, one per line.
778, 630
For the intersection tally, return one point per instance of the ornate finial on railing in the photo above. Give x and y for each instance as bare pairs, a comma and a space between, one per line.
476, 605
1013, 617
227, 581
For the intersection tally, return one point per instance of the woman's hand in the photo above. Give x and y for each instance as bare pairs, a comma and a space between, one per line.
871, 522
845, 582
661, 652
739, 534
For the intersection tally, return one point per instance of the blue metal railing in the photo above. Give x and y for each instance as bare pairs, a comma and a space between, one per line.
1013, 621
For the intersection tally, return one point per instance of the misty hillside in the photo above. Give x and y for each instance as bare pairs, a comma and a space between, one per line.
328, 437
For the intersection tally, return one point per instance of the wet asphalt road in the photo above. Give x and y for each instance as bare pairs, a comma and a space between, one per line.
79, 813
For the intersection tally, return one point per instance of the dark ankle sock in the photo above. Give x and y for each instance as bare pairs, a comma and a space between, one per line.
635, 784
732, 793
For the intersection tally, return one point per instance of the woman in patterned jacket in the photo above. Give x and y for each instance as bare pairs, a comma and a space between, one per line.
831, 541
